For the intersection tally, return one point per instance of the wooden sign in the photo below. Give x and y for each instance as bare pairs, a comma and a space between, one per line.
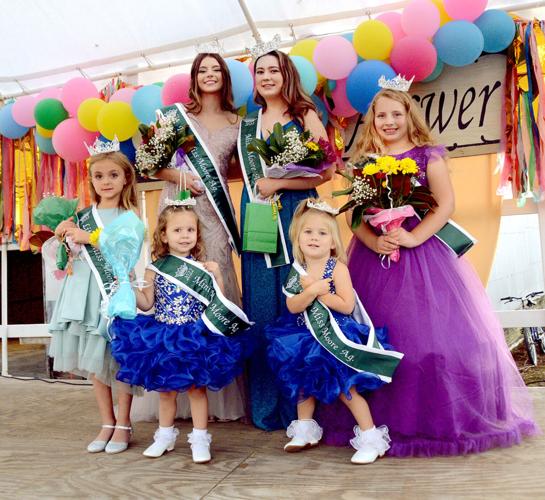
463, 107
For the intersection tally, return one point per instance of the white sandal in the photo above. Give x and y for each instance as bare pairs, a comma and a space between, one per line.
118, 446
97, 446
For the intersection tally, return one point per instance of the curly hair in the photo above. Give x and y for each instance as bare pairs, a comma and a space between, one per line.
160, 248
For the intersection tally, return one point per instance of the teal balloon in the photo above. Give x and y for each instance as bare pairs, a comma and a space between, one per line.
459, 43
307, 73
145, 101
45, 144
8, 126
436, 72
332, 85
498, 29
49, 113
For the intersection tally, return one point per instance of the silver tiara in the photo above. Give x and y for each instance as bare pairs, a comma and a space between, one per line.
188, 202
262, 48
100, 147
213, 47
397, 83
323, 207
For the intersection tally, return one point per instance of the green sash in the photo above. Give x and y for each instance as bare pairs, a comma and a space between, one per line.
202, 164
89, 220
220, 316
370, 358
254, 168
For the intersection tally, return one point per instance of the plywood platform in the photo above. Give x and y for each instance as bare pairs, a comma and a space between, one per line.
44, 429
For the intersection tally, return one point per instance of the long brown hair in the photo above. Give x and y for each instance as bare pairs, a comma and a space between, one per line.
226, 98
292, 91
417, 130
160, 248
128, 199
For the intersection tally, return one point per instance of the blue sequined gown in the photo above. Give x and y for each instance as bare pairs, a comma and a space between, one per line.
304, 368
263, 303
173, 349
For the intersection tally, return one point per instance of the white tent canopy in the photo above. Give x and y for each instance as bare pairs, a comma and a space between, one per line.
47, 42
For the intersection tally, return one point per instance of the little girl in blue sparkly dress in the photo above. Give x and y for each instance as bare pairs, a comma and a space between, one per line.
327, 347
188, 344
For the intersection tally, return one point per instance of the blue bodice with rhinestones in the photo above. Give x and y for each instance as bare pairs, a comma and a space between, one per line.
173, 305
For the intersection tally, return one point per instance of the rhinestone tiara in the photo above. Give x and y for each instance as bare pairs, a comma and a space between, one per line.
213, 47
397, 83
323, 207
262, 48
188, 202
100, 147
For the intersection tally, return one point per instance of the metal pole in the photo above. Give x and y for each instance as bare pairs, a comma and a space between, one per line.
250, 20
4, 313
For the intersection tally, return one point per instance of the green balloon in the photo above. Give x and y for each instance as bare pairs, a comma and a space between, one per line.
49, 113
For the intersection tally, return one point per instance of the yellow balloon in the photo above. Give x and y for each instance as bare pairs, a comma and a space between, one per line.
305, 48
116, 119
88, 112
373, 40
444, 17
44, 132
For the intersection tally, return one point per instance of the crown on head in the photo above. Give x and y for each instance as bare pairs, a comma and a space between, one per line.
323, 207
262, 48
213, 47
188, 202
397, 83
100, 147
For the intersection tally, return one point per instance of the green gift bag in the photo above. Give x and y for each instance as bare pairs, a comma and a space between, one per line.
260, 228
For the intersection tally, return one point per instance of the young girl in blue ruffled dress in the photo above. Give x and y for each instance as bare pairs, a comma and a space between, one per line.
180, 348
320, 352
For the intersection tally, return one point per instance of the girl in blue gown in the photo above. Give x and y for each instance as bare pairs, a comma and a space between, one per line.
279, 92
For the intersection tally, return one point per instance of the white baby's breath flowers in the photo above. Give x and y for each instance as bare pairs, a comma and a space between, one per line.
294, 152
362, 190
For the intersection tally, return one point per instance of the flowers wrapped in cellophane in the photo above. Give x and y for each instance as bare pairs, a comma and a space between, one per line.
384, 191
160, 142
50, 212
120, 243
290, 153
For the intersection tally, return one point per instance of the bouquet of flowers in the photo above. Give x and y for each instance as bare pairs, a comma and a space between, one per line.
160, 142
385, 191
292, 153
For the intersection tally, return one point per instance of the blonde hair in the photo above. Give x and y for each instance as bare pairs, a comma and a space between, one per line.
160, 248
128, 199
302, 212
417, 130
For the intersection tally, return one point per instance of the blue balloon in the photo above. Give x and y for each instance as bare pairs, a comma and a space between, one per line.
8, 126
251, 105
307, 73
145, 101
498, 29
45, 144
459, 43
126, 147
321, 109
436, 72
241, 80
362, 83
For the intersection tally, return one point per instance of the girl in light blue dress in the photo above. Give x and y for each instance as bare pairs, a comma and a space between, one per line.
80, 342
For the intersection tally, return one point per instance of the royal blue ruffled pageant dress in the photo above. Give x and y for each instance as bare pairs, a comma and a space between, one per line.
173, 349
304, 368
264, 303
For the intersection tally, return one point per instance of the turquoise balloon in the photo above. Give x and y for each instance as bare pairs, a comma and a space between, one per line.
45, 144
8, 126
145, 101
498, 29
436, 72
307, 73
459, 43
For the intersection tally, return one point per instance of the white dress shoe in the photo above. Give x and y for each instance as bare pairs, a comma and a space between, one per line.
119, 446
200, 445
163, 440
97, 445
304, 433
370, 444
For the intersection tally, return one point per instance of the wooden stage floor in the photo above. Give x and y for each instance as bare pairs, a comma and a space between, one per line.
44, 429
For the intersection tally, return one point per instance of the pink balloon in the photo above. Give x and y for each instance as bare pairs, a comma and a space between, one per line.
176, 89
420, 18
414, 56
49, 94
123, 95
393, 21
69, 140
75, 91
342, 104
334, 57
467, 10
23, 111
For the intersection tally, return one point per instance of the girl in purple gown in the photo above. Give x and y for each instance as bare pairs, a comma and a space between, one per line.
457, 390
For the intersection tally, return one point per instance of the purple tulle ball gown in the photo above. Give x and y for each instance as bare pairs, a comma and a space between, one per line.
457, 390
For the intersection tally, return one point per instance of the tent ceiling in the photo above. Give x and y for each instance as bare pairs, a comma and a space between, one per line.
47, 42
